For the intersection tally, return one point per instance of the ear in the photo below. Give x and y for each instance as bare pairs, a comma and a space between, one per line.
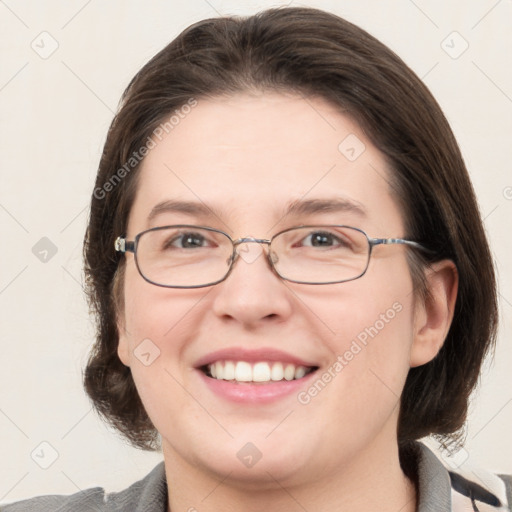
434, 314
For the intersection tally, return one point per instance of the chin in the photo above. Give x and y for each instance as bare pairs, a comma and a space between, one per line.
264, 463
268, 473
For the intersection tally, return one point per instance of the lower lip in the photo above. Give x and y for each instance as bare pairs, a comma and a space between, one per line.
257, 393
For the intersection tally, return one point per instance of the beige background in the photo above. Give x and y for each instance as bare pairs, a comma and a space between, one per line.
55, 111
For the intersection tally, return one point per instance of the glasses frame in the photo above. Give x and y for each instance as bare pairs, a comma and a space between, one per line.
123, 246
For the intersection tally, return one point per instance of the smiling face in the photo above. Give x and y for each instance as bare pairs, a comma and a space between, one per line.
331, 360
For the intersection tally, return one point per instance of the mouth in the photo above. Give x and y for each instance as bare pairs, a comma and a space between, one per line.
260, 372
254, 376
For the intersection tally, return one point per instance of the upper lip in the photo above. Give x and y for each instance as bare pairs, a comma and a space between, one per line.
251, 356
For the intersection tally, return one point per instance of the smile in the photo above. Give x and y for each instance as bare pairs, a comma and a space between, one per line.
256, 376
260, 372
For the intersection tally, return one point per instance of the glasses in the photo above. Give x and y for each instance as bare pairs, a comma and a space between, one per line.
186, 256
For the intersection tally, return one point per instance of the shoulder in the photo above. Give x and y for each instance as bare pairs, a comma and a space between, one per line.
148, 495
463, 488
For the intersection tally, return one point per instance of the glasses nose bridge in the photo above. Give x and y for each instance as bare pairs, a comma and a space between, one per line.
250, 239
250, 256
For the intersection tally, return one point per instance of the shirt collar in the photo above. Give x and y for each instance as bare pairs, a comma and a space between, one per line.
434, 492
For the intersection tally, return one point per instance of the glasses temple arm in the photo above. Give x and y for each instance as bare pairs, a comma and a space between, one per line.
402, 241
122, 245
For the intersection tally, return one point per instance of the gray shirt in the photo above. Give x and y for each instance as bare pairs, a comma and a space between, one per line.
439, 490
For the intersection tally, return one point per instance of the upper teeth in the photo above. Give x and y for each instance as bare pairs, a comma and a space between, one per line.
242, 371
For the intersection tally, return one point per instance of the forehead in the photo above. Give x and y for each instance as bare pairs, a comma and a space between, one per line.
247, 158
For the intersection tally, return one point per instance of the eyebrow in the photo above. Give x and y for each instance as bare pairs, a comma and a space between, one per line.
191, 208
312, 206
295, 208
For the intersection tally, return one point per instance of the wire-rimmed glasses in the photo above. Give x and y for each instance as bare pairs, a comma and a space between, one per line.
188, 256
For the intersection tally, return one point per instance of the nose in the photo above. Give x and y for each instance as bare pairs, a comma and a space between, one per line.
252, 293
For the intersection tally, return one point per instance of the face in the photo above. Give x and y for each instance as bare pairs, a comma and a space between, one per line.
247, 158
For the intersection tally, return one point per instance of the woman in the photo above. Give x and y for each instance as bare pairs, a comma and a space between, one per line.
290, 275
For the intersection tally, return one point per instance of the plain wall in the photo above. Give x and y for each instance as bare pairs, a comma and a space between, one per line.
55, 111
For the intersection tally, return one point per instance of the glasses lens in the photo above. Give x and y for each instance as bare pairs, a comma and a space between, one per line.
183, 256
320, 254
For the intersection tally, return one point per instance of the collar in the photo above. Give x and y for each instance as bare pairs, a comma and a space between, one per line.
434, 487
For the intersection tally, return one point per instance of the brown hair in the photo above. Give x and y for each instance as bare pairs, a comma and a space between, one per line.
309, 52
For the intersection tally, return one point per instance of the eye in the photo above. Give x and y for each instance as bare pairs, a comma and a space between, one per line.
187, 241
322, 239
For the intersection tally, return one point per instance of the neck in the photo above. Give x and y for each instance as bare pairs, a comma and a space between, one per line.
375, 481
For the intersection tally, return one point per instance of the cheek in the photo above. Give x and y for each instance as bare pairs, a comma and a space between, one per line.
161, 325
355, 398
377, 306
164, 316
371, 334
